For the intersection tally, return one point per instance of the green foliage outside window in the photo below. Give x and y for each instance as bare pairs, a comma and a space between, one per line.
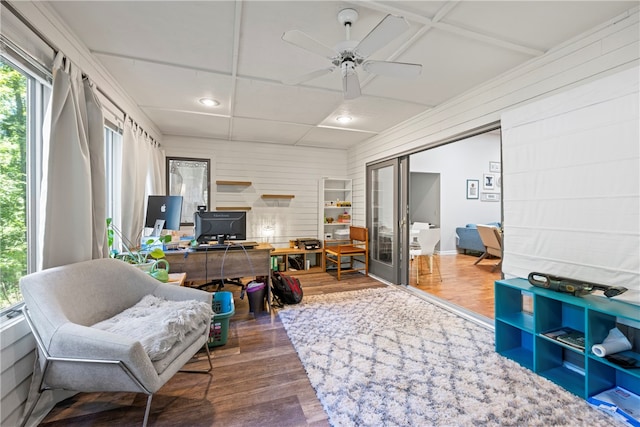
13, 183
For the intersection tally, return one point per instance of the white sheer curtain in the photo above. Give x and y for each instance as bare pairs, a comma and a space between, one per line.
73, 214
154, 174
134, 174
141, 177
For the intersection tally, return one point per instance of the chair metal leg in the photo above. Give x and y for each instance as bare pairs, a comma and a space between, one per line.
483, 256
437, 262
199, 371
147, 410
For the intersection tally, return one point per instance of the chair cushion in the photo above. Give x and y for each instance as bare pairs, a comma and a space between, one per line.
158, 323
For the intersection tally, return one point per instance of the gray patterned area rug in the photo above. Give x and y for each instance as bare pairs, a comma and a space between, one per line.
384, 357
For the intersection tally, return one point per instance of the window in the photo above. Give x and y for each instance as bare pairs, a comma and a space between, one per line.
23, 96
113, 172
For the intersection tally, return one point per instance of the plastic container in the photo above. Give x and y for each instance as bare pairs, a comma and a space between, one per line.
223, 308
256, 296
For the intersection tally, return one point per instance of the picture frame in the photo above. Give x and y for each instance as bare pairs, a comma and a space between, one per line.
495, 167
490, 197
190, 178
473, 188
488, 181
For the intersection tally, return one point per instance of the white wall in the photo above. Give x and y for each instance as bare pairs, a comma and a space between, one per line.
457, 162
604, 50
272, 169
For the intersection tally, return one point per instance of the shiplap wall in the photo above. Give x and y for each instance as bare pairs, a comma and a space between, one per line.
272, 169
608, 48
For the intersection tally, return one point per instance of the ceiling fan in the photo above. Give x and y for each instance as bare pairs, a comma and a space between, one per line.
349, 54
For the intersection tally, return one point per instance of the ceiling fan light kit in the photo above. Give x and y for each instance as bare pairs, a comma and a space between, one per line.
349, 54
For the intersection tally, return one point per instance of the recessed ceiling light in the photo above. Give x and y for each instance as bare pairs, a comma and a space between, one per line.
209, 102
344, 119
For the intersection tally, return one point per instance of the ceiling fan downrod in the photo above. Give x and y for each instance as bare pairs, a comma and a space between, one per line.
347, 17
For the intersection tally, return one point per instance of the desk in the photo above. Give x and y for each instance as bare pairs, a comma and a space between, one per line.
220, 264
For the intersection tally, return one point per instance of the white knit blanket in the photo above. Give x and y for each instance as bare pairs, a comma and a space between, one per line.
158, 323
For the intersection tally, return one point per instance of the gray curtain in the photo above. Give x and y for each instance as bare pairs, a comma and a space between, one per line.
72, 221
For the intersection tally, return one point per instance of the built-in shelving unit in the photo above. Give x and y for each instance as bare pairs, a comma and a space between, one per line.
334, 207
524, 313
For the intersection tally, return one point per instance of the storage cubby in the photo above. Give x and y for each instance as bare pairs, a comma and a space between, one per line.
519, 335
515, 343
283, 257
560, 364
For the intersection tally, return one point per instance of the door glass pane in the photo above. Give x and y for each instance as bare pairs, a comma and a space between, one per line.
382, 247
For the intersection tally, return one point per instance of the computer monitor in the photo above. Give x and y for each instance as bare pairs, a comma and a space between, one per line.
164, 208
227, 225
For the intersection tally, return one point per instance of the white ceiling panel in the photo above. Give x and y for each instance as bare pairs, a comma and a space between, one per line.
268, 131
284, 103
168, 54
333, 138
181, 88
193, 33
188, 124
373, 114
539, 24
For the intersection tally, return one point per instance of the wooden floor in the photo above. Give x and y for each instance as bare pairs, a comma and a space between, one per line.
463, 284
257, 378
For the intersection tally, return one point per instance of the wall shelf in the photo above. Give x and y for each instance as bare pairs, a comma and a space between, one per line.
277, 196
238, 183
233, 208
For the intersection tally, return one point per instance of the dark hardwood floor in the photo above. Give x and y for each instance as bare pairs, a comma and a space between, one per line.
257, 378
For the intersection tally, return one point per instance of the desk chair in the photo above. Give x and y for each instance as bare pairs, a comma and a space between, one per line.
356, 246
492, 241
427, 239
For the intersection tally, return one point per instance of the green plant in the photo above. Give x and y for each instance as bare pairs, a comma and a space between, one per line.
132, 254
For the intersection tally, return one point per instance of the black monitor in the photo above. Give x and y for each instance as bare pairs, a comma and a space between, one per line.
167, 208
227, 225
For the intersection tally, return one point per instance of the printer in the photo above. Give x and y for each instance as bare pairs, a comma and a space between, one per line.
308, 244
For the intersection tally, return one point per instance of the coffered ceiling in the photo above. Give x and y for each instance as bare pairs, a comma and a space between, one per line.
169, 54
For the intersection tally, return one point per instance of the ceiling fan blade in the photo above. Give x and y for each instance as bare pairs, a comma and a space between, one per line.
388, 29
302, 40
351, 85
393, 69
309, 76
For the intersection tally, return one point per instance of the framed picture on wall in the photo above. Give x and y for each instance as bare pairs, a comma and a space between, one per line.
473, 191
189, 178
488, 181
490, 197
494, 167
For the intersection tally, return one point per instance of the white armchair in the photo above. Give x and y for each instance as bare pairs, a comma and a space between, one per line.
63, 306
492, 241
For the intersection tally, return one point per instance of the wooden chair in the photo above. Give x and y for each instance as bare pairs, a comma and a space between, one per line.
356, 246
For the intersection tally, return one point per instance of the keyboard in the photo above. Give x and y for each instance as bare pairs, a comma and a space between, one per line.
225, 246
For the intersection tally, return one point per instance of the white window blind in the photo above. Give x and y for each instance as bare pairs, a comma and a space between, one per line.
571, 182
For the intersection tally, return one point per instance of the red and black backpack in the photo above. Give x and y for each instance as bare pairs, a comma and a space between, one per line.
286, 289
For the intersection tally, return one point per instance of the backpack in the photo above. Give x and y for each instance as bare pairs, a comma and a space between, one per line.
286, 289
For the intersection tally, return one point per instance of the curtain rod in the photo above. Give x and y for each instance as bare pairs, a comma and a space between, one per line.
56, 50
